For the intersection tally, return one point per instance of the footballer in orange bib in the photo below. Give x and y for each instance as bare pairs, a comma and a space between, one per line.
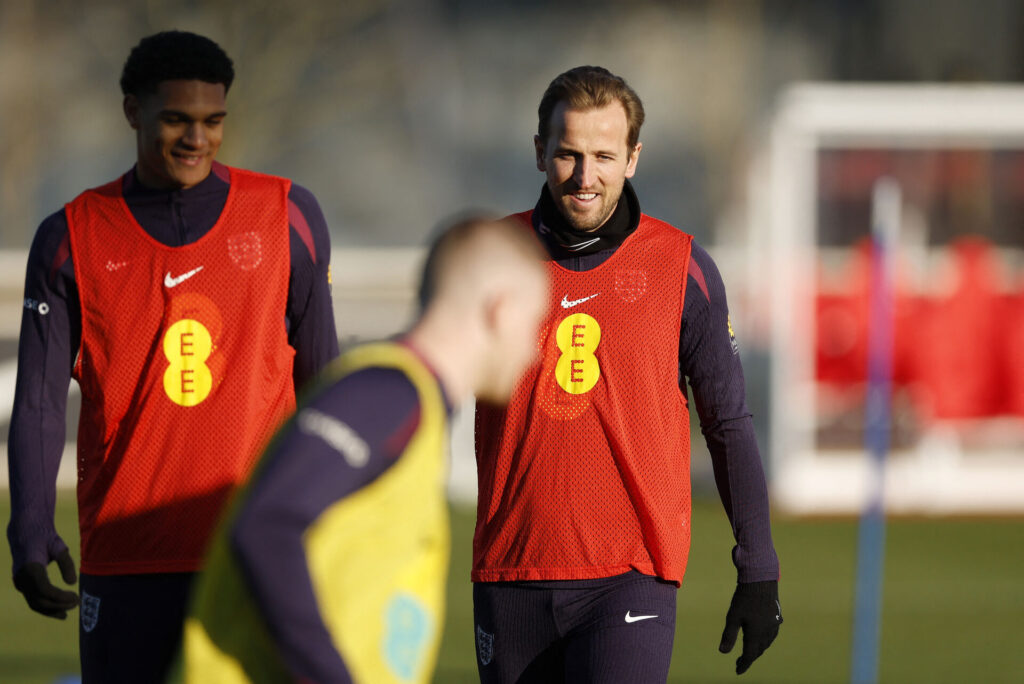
189, 300
583, 512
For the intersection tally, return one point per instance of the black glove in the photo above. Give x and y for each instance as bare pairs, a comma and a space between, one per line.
32, 581
755, 607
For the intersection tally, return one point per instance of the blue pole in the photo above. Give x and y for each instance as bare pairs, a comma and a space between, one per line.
877, 430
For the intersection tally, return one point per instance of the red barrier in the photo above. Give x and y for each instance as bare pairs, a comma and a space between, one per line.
961, 351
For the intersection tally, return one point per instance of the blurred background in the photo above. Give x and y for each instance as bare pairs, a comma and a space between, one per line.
768, 124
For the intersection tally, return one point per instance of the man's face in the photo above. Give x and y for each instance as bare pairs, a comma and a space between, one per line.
178, 132
587, 162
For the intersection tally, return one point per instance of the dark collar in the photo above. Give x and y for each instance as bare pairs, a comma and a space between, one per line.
564, 241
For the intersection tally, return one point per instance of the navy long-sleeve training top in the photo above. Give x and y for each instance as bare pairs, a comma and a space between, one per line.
300, 478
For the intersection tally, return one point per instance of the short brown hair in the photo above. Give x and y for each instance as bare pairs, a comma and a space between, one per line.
587, 87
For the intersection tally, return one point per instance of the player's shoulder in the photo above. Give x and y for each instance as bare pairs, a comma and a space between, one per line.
111, 190
375, 402
304, 213
253, 181
370, 384
231, 173
54, 225
701, 256
662, 227
304, 210
662, 238
296, 192
50, 248
51, 232
524, 216
302, 196
307, 222
366, 376
527, 219
703, 272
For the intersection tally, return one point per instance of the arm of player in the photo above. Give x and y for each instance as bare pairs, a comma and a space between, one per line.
302, 478
310, 315
49, 340
709, 358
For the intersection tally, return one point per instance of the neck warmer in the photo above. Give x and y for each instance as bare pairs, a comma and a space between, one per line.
564, 241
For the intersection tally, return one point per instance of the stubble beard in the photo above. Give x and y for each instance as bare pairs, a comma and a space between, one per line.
589, 222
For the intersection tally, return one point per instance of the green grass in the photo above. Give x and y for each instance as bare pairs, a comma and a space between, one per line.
36, 649
953, 605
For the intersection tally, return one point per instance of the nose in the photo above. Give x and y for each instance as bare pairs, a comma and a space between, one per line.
583, 173
195, 135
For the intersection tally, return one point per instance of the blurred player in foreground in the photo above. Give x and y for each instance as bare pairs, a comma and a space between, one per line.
583, 519
331, 567
189, 300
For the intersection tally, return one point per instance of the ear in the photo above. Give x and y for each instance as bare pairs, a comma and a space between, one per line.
538, 146
634, 156
493, 307
131, 110
499, 316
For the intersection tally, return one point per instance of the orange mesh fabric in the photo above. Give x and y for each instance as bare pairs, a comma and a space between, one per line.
185, 371
586, 473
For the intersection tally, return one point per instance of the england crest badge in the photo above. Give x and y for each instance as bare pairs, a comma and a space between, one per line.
630, 284
246, 250
484, 646
90, 611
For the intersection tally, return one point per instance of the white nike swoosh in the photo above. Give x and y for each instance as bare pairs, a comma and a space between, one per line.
567, 304
171, 282
634, 618
581, 245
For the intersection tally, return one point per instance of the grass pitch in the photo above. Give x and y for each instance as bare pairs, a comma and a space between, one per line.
953, 605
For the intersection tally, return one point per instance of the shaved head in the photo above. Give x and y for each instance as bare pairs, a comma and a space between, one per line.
476, 251
484, 289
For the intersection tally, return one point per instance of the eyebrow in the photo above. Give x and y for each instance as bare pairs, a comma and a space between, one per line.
563, 148
186, 115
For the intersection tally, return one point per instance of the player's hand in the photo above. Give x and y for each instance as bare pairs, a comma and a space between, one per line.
33, 581
755, 608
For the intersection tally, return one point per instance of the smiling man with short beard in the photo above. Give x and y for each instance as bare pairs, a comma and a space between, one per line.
583, 520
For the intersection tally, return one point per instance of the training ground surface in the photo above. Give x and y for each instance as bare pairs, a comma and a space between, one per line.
954, 601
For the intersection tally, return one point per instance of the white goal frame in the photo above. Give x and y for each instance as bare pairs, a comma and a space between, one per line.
937, 476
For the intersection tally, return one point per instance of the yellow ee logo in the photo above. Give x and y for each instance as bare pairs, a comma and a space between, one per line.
577, 337
187, 346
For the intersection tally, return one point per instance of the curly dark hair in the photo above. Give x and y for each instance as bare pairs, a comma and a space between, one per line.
172, 55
